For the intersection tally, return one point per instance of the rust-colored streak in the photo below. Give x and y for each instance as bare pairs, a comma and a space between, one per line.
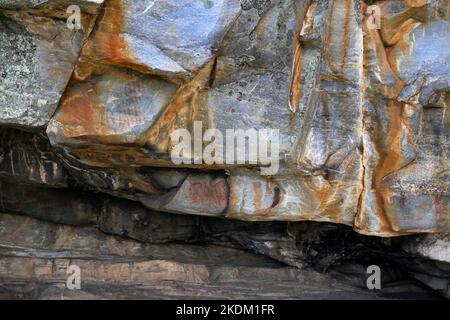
416, 3
113, 47
447, 100
78, 112
108, 46
390, 160
326, 55
398, 36
272, 189
295, 81
388, 147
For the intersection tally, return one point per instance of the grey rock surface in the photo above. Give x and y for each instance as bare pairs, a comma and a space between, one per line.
362, 171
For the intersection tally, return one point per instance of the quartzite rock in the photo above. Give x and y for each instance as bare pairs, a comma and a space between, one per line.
38, 254
86, 118
39, 55
29, 159
170, 38
434, 247
365, 143
350, 153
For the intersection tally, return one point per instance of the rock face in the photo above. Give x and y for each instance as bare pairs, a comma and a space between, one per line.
351, 98
351, 152
39, 54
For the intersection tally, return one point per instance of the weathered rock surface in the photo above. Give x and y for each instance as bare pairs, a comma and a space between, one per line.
86, 118
405, 143
130, 219
39, 54
88, 5
337, 157
59, 206
433, 247
28, 158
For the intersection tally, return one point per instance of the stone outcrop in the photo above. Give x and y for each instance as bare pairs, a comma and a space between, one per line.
359, 92
40, 53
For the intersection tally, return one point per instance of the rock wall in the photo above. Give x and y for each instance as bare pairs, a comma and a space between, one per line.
357, 91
